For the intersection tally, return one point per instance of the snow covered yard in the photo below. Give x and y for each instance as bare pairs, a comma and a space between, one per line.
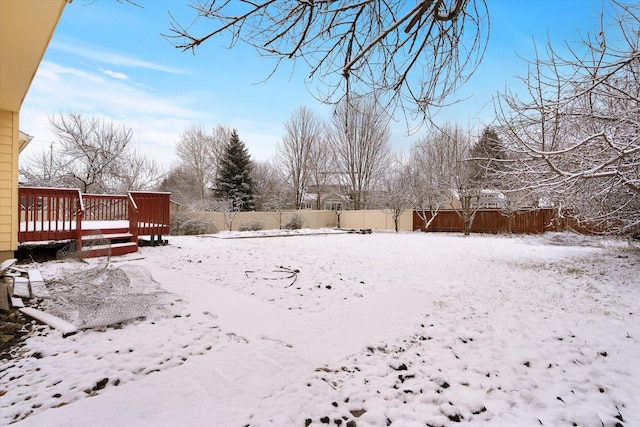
354, 330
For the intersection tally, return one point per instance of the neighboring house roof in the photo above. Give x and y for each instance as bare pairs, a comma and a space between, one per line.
336, 196
24, 140
312, 197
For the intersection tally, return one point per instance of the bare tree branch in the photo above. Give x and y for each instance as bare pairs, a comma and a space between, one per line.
576, 138
94, 155
412, 57
359, 136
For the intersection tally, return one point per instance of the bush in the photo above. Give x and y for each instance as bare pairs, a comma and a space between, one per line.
191, 223
295, 222
253, 225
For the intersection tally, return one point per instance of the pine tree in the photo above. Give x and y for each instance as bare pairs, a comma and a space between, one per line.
487, 154
234, 182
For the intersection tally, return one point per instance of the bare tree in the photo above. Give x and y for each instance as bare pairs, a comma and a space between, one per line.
322, 163
467, 191
183, 186
443, 159
277, 206
427, 181
196, 155
359, 138
395, 189
134, 172
294, 153
39, 170
267, 184
91, 154
416, 54
180, 183
221, 135
576, 137
229, 209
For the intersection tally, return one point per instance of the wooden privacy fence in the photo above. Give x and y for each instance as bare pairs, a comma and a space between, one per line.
491, 221
486, 221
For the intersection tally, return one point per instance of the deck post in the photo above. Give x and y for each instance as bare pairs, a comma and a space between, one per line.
133, 217
79, 215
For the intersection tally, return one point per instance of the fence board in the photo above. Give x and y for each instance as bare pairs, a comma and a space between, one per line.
490, 221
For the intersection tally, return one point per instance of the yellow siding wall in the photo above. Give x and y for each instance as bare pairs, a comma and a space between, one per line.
8, 183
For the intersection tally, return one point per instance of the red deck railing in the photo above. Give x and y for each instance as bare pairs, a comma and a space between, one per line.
59, 213
49, 214
105, 207
152, 212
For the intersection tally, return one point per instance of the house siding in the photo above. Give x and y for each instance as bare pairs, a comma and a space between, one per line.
8, 183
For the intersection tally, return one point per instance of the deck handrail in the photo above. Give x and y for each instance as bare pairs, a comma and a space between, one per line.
105, 207
48, 213
61, 213
153, 212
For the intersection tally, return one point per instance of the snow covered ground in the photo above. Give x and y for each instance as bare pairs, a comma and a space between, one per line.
408, 329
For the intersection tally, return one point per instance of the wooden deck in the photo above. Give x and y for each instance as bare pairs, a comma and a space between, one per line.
118, 221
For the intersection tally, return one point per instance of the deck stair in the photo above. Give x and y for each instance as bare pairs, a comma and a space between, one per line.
114, 241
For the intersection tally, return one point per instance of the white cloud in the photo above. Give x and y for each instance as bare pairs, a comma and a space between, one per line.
157, 117
56, 73
115, 74
107, 56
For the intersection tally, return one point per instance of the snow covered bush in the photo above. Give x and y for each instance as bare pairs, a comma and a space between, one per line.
295, 222
192, 223
253, 225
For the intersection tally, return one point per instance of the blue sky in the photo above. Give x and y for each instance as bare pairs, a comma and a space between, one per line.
109, 59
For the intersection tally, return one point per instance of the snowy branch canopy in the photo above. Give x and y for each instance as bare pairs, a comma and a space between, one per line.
414, 57
577, 136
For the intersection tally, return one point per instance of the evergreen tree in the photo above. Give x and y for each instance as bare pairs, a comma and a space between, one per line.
487, 154
234, 182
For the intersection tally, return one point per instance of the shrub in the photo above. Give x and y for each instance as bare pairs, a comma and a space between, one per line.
191, 223
253, 225
295, 222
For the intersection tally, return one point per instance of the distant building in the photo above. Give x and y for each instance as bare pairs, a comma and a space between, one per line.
331, 195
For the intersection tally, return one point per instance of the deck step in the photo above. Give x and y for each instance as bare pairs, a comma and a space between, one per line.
111, 236
113, 230
117, 241
114, 249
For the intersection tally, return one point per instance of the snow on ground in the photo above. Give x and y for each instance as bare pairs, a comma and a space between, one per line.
406, 329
